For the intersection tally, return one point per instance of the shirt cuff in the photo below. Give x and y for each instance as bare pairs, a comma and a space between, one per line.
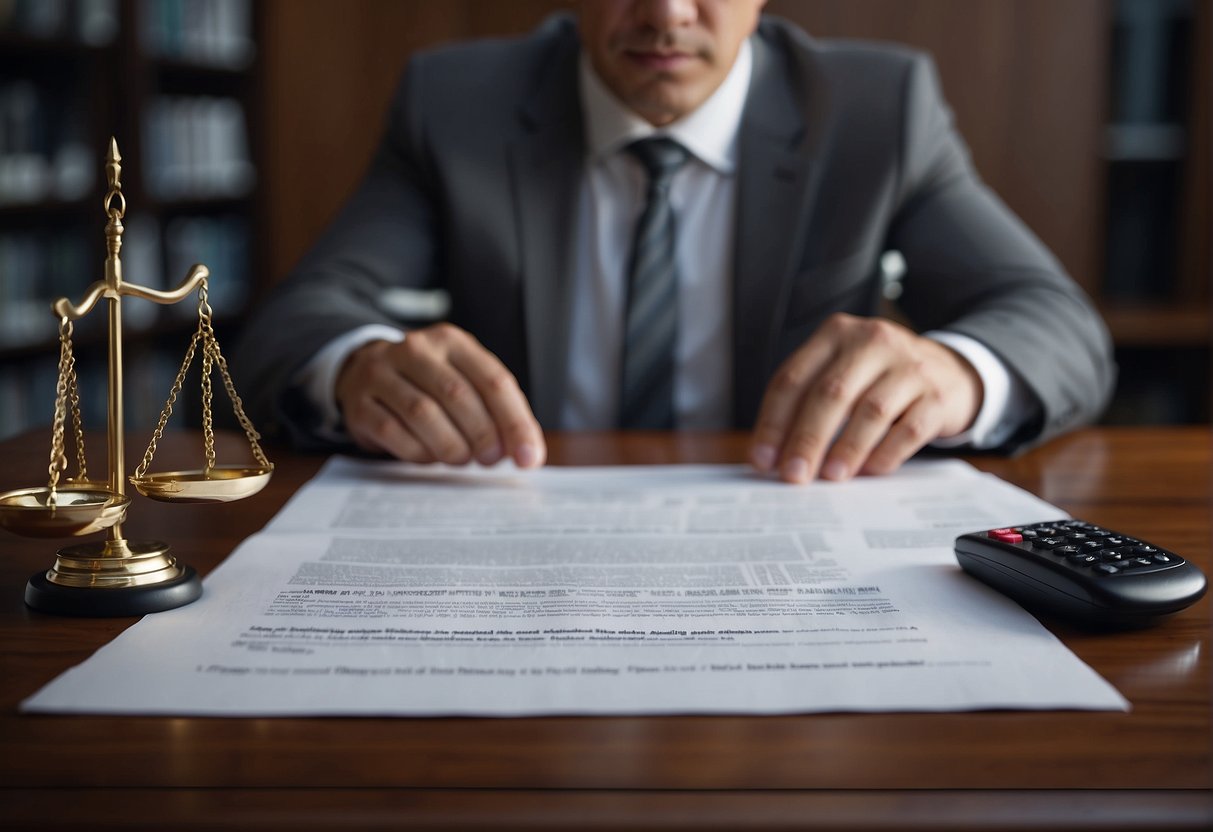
317, 380
1006, 402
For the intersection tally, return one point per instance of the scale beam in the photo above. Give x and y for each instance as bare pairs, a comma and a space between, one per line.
99, 291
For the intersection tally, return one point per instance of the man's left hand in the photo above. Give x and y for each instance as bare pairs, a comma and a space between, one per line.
861, 396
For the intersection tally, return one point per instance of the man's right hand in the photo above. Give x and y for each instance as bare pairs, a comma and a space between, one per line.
437, 396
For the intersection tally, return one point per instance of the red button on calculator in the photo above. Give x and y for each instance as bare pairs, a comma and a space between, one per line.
1006, 535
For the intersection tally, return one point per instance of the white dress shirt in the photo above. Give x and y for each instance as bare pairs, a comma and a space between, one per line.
702, 194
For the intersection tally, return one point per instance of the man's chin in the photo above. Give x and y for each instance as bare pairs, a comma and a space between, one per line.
663, 101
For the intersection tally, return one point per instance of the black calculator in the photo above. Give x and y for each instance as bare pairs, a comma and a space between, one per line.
1082, 572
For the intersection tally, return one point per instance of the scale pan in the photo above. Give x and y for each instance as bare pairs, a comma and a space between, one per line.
80, 509
220, 484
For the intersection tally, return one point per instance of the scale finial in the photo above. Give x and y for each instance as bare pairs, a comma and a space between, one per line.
113, 166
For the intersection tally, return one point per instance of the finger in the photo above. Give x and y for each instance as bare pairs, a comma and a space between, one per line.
825, 408
376, 429
425, 419
916, 427
462, 403
782, 399
516, 425
870, 419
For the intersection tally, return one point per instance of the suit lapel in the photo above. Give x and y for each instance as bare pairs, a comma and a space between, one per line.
546, 170
776, 182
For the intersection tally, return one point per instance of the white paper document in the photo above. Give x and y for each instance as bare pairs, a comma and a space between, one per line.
389, 589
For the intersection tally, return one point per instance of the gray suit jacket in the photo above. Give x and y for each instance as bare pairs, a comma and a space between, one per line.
846, 150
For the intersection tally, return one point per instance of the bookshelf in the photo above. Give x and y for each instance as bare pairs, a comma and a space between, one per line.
176, 82
1155, 292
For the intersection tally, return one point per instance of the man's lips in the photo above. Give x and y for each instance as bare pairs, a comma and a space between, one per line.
658, 60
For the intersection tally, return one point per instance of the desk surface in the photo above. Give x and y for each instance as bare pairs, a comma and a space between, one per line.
853, 771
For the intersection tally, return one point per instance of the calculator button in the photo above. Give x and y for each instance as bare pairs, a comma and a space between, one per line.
1048, 542
1135, 563
1162, 558
1080, 559
1006, 535
1104, 569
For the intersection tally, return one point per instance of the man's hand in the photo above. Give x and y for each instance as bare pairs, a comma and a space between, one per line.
889, 390
437, 396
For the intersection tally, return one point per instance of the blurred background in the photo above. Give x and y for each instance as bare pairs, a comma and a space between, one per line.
243, 125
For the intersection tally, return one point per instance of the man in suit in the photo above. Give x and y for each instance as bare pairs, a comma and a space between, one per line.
671, 213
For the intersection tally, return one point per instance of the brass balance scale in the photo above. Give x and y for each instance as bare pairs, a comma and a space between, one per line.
120, 576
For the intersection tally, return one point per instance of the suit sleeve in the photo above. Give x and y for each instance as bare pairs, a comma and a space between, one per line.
974, 268
383, 236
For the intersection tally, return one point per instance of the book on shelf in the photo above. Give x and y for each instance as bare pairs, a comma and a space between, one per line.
1146, 145
35, 268
222, 244
43, 150
27, 395
196, 147
214, 33
90, 22
1151, 50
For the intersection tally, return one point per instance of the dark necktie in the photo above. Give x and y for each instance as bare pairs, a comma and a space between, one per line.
651, 325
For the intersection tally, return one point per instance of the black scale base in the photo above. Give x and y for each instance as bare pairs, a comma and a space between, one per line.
99, 602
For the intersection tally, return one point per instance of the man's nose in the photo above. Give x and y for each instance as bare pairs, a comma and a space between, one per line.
668, 14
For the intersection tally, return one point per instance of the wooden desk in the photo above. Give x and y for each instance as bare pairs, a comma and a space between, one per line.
1149, 769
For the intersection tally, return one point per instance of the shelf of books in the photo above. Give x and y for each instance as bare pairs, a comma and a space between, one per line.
174, 81
1155, 290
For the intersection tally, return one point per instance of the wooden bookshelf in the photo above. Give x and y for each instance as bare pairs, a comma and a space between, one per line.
88, 80
1160, 326
1157, 269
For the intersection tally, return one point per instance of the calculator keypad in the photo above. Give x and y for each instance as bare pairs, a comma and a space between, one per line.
1087, 547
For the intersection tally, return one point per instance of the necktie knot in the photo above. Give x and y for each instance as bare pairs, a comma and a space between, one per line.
661, 157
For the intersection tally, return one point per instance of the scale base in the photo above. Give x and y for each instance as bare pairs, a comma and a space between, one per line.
108, 602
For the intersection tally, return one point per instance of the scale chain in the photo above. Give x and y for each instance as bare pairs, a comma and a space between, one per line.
211, 357
58, 462
238, 407
208, 423
158, 433
73, 394
67, 397
208, 359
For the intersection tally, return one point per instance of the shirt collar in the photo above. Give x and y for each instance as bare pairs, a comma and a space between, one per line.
708, 132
